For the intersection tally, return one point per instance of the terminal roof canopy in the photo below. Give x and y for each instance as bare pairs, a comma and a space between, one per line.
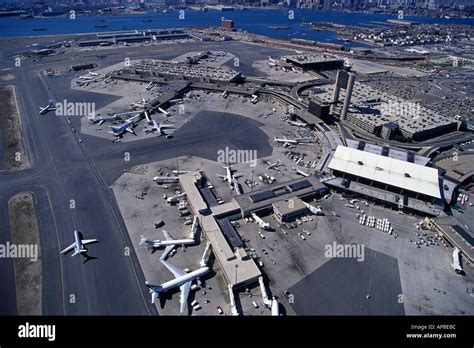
386, 170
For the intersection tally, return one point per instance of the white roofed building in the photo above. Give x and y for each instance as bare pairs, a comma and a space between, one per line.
392, 181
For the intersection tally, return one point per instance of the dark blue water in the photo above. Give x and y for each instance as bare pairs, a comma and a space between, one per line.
255, 21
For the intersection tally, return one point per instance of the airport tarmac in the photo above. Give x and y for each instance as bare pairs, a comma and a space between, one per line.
69, 165
288, 259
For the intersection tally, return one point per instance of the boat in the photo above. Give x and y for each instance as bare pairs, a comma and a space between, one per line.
39, 29
100, 26
279, 27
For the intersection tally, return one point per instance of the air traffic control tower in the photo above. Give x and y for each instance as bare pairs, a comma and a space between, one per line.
346, 81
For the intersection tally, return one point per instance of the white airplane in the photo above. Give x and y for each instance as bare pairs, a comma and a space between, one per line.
150, 86
163, 111
300, 172
175, 198
297, 124
128, 113
179, 172
160, 127
47, 108
298, 52
271, 59
286, 141
254, 99
90, 75
78, 244
139, 104
262, 224
147, 116
224, 94
169, 243
273, 165
127, 126
235, 183
182, 280
101, 119
229, 176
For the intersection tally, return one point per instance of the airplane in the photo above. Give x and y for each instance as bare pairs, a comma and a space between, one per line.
126, 127
254, 99
182, 279
150, 86
286, 141
47, 108
147, 116
78, 244
90, 75
262, 224
169, 243
297, 124
273, 165
163, 111
235, 182
179, 172
300, 172
271, 59
160, 127
101, 119
224, 94
298, 52
275, 307
229, 177
139, 104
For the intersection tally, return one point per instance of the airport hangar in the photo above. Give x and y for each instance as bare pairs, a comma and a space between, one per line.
239, 269
391, 181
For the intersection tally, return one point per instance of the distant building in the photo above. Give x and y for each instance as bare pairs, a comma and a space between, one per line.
227, 24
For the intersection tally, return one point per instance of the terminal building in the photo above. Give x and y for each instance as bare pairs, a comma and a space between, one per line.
289, 210
315, 62
396, 182
238, 268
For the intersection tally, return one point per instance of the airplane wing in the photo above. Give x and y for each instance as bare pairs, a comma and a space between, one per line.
88, 241
221, 176
167, 235
173, 269
69, 248
130, 130
183, 298
238, 175
166, 252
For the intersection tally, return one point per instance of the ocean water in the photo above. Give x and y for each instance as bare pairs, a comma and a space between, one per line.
254, 20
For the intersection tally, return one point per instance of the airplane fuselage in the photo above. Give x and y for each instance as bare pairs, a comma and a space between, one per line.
184, 279
79, 245
159, 243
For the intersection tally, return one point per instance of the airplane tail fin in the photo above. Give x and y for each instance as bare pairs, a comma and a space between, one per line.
154, 291
78, 252
143, 240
